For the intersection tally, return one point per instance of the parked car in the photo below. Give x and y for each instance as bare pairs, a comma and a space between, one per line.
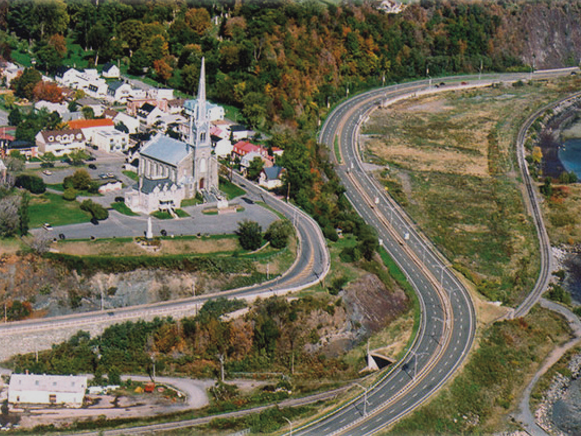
47, 226
94, 221
92, 166
47, 172
91, 159
163, 232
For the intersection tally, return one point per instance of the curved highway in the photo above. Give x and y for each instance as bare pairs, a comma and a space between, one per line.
311, 265
448, 318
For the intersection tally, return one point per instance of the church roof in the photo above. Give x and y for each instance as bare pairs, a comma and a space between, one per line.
166, 150
148, 185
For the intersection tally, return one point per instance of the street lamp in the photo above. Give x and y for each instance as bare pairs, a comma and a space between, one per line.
416, 362
290, 425
442, 268
364, 398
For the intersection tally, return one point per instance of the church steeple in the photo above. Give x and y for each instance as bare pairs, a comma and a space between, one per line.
201, 115
201, 127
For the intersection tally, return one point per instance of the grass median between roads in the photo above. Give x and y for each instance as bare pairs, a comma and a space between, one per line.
490, 385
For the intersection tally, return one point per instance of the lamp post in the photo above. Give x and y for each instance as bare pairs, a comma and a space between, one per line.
290, 425
364, 398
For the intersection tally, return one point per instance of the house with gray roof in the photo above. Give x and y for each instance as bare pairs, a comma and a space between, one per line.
118, 91
110, 71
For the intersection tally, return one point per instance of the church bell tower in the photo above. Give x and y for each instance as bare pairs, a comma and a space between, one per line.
205, 164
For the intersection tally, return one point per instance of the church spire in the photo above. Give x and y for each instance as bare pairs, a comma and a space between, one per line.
202, 93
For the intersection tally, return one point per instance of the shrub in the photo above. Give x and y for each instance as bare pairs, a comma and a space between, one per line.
249, 235
70, 194
98, 211
278, 233
33, 184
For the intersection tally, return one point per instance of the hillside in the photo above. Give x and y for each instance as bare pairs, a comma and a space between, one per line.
282, 62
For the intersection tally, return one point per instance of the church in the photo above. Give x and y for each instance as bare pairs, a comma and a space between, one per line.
171, 170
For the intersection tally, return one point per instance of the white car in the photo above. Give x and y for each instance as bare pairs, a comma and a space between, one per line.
47, 226
47, 172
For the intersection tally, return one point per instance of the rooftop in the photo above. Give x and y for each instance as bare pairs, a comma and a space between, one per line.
167, 150
84, 124
51, 383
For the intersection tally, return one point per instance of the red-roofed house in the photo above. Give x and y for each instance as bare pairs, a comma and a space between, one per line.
91, 127
242, 148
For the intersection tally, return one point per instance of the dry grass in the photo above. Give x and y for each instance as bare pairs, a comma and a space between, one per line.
452, 166
112, 247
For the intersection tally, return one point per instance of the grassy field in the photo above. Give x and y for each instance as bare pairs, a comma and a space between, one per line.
230, 189
122, 208
51, 208
480, 398
451, 165
131, 175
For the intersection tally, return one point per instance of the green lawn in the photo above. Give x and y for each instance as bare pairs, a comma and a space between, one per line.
122, 208
230, 189
21, 58
182, 213
191, 202
59, 187
161, 215
131, 175
51, 208
76, 56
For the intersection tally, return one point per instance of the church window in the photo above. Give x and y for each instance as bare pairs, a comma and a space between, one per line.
203, 137
202, 165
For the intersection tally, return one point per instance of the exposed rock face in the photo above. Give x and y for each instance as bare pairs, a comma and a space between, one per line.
543, 34
372, 305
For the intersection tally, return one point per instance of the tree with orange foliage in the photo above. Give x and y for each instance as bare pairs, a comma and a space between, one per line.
198, 19
162, 69
48, 91
59, 43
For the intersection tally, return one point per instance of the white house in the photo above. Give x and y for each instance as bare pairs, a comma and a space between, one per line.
239, 132
222, 146
110, 71
10, 71
66, 390
119, 92
271, 178
66, 76
111, 140
160, 93
60, 142
215, 112
148, 114
128, 121
96, 87
94, 104
59, 108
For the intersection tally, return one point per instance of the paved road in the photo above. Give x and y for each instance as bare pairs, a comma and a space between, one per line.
448, 319
311, 265
3, 118
534, 208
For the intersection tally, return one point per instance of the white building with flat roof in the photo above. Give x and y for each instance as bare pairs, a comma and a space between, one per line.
67, 390
111, 140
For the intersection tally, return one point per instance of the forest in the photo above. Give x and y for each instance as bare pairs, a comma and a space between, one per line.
281, 65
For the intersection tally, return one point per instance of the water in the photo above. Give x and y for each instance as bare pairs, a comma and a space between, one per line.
570, 155
572, 264
567, 411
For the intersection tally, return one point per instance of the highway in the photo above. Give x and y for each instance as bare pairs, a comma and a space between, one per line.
448, 322
448, 317
311, 265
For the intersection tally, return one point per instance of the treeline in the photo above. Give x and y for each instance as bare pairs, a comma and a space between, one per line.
279, 61
270, 337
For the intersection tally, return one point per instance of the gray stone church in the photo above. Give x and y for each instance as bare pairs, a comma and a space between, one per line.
171, 170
